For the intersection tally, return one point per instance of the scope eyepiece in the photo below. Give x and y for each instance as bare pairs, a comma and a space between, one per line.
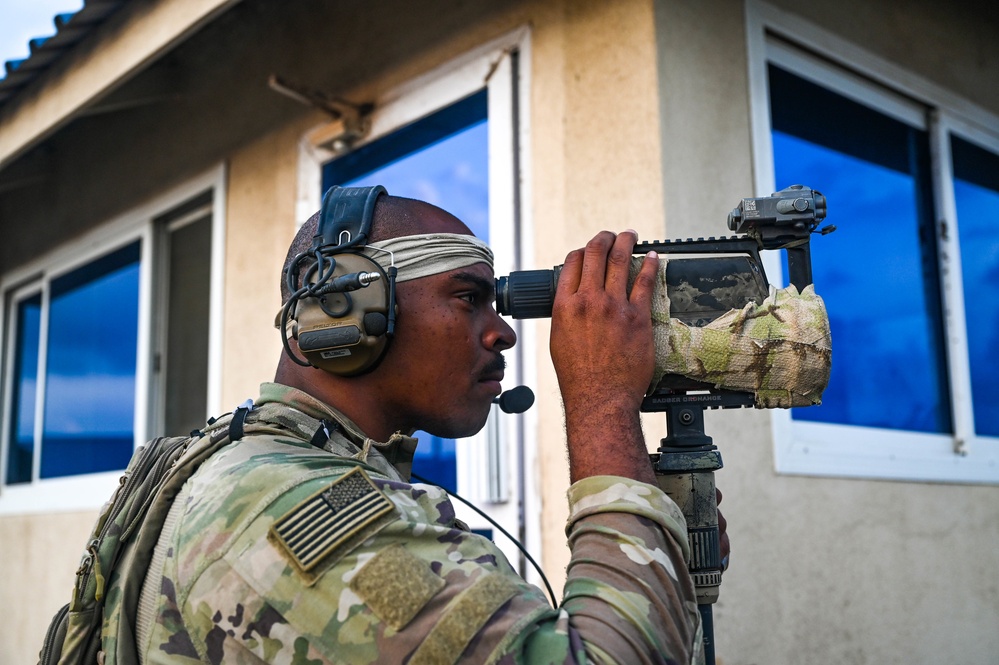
527, 294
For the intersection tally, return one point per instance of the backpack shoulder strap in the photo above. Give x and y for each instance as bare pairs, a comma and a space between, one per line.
83, 618
141, 528
119, 548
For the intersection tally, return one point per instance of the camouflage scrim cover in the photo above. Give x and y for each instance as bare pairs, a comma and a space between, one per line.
779, 350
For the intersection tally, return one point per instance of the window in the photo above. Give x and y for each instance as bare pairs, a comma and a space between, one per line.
89, 407
74, 353
911, 186
27, 327
875, 171
452, 138
442, 159
96, 360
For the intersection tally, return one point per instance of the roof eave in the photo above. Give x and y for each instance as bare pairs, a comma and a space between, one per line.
61, 79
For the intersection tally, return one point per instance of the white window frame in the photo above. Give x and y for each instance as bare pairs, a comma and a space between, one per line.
497, 467
90, 491
823, 449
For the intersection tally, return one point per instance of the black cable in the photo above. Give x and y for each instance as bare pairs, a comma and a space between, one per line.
501, 529
323, 275
390, 326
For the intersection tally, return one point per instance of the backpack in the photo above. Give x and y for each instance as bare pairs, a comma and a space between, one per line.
122, 543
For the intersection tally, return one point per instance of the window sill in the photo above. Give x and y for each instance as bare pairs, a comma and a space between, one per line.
820, 449
72, 493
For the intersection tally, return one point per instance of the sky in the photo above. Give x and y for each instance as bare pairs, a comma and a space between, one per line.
22, 20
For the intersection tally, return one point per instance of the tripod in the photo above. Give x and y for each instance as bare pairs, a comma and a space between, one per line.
684, 467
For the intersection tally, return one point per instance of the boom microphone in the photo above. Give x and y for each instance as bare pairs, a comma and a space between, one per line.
515, 400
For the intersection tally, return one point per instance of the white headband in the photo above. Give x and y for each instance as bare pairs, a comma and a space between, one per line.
428, 254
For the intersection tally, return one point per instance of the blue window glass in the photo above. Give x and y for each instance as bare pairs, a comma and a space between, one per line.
877, 272
976, 193
436, 460
442, 159
90, 367
20, 454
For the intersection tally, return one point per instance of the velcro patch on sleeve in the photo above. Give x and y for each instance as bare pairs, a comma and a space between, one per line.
396, 585
328, 525
463, 619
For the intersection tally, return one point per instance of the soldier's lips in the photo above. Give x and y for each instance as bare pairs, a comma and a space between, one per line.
492, 374
492, 383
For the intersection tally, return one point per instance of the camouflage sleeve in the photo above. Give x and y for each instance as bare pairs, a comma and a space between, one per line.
354, 568
628, 597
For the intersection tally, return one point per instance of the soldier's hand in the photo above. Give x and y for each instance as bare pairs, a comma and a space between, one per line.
604, 355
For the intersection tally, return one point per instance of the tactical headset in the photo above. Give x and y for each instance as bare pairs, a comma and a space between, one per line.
343, 311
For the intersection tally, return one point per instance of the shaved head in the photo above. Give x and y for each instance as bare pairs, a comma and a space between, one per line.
394, 217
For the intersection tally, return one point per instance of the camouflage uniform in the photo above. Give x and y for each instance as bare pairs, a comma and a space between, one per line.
278, 551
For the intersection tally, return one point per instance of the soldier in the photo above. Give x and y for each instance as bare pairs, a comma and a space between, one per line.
305, 542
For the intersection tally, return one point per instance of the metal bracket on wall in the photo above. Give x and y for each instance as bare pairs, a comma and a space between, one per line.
351, 121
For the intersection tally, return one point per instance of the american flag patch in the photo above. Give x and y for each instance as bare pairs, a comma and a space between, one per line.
336, 518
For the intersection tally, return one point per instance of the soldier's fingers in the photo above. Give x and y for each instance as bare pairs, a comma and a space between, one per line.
724, 543
595, 261
645, 281
619, 262
568, 279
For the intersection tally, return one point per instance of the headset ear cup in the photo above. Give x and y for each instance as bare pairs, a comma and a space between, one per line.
347, 334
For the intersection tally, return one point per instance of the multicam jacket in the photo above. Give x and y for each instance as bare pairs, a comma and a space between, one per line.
279, 551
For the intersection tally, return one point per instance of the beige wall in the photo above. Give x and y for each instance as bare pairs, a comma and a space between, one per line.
823, 570
39, 556
951, 45
260, 220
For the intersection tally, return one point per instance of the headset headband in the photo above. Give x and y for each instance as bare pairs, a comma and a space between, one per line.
346, 216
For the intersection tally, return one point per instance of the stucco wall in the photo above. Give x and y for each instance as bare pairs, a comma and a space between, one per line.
39, 555
260, 220
952, 45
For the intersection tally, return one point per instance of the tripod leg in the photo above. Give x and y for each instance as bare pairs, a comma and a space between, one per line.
708, 625
684, 467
